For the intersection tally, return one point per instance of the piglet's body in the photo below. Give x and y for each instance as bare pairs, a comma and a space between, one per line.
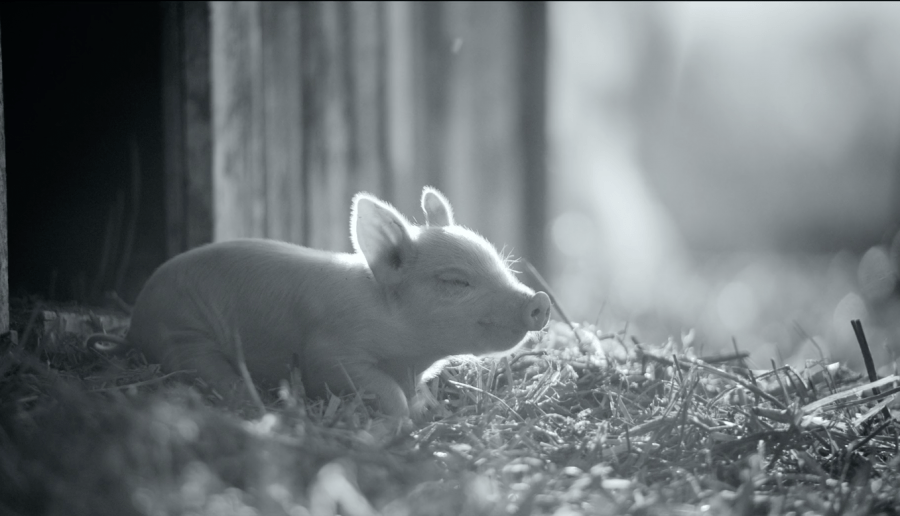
373, 320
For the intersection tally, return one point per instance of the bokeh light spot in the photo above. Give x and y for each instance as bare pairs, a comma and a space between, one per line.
876, 275
573, 234
737, 306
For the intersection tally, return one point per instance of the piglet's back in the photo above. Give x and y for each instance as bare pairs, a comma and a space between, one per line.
269, 293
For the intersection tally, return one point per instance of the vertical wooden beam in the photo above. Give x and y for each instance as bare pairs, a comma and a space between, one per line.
369, 166
478, 72
198, 122
4, 249
482, 167
258, 59
283, 118
239, 178
432, 68
173, 126
327, 118
532, 124
187, 159
401, 112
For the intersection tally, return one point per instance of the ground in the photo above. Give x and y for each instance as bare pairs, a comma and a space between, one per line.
581, 422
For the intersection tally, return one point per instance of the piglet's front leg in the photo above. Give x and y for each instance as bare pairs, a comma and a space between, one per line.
366, 377
196, 353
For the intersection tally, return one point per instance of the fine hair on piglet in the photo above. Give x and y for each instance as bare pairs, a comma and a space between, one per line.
372, 320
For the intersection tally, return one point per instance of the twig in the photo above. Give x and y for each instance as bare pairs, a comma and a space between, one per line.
867, 358
869, 437
864, 400
787, 399
725, 358
728, 376
245, 373
517, 356
143, 382
31, 321
540, 279
678, 369
737, 352
482, 391
809, 408
91, 341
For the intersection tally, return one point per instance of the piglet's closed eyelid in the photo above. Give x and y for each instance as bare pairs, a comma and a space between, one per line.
453, 276
451, 271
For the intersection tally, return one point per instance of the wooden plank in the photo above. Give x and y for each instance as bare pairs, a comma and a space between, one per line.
432, 69
237, 121
482, 167
197, 124
312, 157
326, 137
4, 249
173, 127
187, 160
282, 85
532, 115
401, 110
368, 161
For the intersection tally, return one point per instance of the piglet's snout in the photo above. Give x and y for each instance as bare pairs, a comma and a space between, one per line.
537, 311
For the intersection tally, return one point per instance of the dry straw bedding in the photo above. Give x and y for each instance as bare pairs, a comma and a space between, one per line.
578, 423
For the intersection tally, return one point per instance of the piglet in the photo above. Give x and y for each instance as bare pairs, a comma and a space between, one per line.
373, 320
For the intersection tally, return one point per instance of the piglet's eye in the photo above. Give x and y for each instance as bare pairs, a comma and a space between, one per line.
453, 280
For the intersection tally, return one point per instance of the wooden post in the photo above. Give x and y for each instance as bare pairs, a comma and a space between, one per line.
239, 174
326, 133
532, 123
282, 87
186, 125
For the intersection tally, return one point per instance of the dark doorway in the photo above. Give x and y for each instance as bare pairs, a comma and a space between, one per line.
81, 82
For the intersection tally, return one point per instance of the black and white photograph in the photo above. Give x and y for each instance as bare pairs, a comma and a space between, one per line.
439, 258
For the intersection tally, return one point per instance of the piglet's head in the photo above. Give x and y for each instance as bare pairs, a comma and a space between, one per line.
445, 284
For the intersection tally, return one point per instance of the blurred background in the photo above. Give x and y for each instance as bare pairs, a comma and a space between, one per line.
731, 167
727, 168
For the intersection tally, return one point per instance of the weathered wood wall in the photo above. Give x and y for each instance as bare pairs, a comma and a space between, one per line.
187, 138
478, 123
311, 102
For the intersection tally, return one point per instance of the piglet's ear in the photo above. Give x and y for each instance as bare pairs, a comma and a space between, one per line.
436, 207
381, 235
